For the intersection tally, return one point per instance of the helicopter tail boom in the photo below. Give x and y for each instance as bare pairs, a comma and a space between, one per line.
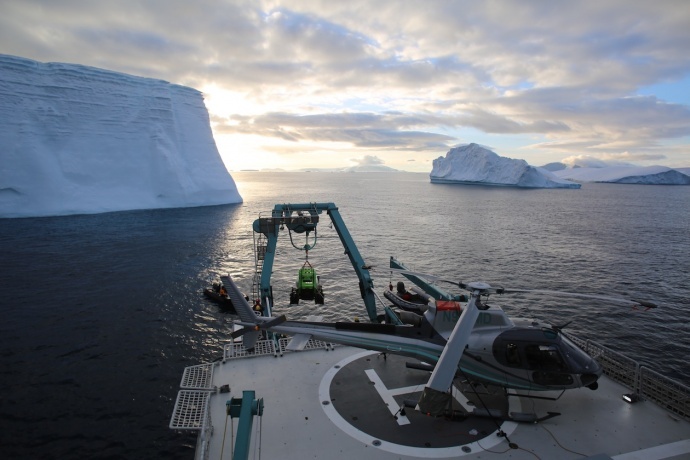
244, 311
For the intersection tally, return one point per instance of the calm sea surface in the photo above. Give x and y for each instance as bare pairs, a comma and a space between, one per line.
101, 313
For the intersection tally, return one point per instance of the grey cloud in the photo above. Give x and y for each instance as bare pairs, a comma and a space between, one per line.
295, 34
587, 114
564, 42
491, 122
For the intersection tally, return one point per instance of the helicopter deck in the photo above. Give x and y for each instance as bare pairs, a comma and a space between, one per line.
343, 403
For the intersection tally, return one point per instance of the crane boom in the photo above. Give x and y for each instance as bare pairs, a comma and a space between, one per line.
303, 217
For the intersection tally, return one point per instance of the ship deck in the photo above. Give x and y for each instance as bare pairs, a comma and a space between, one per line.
344, 403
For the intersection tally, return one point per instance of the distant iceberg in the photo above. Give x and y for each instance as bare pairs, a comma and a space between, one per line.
77, 139
650, 175
476, 165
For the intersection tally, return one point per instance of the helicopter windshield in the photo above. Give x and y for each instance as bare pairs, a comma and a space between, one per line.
540, 350
550, 358
580, 360
538, 353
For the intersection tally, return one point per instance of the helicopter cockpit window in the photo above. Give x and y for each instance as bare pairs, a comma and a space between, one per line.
544, 357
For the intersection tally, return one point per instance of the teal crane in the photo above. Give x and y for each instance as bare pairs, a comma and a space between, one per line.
301, 218
244, 408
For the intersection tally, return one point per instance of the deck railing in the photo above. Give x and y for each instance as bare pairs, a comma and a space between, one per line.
643, 381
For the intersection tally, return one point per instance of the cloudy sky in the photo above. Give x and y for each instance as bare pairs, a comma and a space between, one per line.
294, 84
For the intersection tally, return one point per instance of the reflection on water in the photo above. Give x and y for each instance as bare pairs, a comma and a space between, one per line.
101, 313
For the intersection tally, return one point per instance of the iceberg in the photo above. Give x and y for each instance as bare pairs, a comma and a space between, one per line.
78, 140
474, 164
650, 175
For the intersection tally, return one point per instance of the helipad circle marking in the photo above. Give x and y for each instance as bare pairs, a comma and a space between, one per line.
426, 452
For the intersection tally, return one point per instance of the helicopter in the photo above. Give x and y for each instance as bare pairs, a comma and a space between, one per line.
475, 341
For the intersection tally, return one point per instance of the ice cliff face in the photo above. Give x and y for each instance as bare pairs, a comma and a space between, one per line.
76, 139
473, 164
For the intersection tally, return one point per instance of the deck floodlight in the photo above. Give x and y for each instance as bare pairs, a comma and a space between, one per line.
631, 398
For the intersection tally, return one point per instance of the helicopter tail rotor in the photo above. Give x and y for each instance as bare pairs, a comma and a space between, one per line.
259, 326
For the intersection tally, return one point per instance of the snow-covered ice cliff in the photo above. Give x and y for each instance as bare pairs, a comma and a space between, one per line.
474, 164
76, 139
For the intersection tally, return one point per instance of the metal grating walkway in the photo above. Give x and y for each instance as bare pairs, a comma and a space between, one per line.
191, 410
312, 344
237, 350
198, 377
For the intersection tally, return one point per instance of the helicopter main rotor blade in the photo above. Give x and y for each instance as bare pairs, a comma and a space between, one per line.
618, 300
501, 290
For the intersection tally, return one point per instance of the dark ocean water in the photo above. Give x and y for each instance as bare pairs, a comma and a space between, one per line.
101, 313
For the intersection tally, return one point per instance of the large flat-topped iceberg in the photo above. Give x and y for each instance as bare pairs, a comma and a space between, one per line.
652, 175
474, 164
76, 139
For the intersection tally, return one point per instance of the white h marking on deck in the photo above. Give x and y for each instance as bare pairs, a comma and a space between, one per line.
387, 395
